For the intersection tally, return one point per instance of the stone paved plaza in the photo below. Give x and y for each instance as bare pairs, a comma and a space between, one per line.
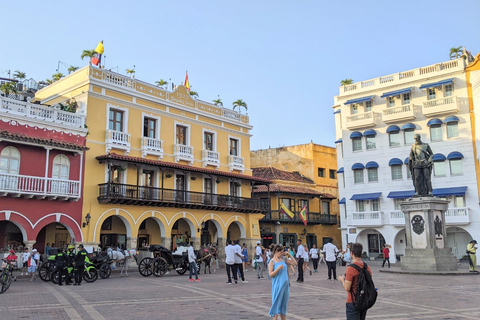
173, 297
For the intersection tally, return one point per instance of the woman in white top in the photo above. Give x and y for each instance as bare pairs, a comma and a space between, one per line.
314, 255
306, 260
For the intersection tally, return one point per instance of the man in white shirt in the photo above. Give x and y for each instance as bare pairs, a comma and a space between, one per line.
299, 256
259, 258
192, 259
314, 256
330, 251
230, 261
239, 261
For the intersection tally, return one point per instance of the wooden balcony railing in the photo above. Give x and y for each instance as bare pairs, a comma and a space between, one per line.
312, 218
151, 196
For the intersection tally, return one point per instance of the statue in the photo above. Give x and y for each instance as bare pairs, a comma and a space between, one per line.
420, 164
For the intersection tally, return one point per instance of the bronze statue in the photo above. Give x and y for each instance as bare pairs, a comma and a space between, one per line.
420, 163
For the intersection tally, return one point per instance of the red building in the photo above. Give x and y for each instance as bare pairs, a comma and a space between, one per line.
41, 171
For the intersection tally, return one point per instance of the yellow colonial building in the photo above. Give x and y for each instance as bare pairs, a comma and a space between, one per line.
162, 167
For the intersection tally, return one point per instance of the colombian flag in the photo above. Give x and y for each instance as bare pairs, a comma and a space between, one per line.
187, 84
97, 57
284, 210
303, 215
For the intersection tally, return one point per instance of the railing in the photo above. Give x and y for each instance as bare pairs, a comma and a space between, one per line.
231, 114
360, 116
118, 80
457, 216
118, 137
312, 217
359, 120
183, 152
35, 111
398, 113
441, 105
133, 194
397, 218
210, 157
367, 218
152, 146
21, 184
235, 163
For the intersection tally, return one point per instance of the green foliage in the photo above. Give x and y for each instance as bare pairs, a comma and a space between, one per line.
456, 53
8, 87
239, 103
161, 83
194, 94
346, 82
19, 75
87, 53
218, 102
72, 69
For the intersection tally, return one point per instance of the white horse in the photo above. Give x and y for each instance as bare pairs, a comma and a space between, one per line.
122, 258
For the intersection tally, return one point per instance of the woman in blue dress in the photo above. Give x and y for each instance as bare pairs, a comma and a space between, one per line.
278, 272
245, 257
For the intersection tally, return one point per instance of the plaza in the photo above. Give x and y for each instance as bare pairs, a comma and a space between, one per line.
401, 296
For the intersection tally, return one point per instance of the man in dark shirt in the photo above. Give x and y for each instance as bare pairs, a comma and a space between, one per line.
80, 265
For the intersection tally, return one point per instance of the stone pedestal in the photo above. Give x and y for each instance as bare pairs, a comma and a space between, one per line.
426, 236
221, 251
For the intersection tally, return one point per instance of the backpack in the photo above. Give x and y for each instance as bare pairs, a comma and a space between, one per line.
366, 292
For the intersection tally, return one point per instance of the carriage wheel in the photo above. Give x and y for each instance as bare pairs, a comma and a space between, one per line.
145, 267
90, 275
184, 269
45, 272
105, 271
6, 280
160, 267
54, 277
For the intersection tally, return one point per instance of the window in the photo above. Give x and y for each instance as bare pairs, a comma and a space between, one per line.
149, 128
288, 204
396, 172
208, 190
325, 207
456, 167
409, 174
459, 201
208, 141
61, 167
368, 106
394, 139
397, 203
115, 120
375, 205
357, 144
439, 168
321, 172
436, 132
431, 93
180, 187
372, 174
10, 161
391, 101
234, 147
360, 205
116, 174
234, 188
301, 204
358, 176
181, 136
448, 90
354, 108
332, 174
406, 98
452, 130
371, 142
408, 136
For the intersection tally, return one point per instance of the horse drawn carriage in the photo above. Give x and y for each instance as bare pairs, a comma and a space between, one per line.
165, 260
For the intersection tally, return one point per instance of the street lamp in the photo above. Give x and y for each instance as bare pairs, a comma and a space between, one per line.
87, 220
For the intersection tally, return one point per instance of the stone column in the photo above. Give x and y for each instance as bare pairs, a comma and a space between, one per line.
131, 243
221, 252
29, 244
167, 242
196, 242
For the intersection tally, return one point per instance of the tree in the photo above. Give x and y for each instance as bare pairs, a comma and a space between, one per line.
131, 72
161, 83
8, 87
239, 103
19, 75
57, 76
218, 102
87, 53
456, 53
72, 69
346, 82
193, 94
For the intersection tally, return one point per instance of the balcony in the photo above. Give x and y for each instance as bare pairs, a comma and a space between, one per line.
183, 152
397, 218
116, 193
312, 218
152, 146
117, 140
38, 187
211, 158
457, 216
236, 163
42, 113
366, 219
440, 106
400, 113
361, 120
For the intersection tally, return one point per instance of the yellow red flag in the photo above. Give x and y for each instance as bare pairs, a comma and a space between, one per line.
187, 84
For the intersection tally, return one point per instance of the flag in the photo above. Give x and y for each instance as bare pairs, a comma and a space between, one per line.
303, 215
187, 84
284, 210
97, 56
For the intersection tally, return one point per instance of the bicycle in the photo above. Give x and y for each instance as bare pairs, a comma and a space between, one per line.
5, 276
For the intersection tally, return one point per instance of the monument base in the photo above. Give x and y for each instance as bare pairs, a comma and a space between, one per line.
428, 260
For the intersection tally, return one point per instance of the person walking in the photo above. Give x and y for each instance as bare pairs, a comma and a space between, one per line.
300, 255
80, 265
259, 258
25, 257
32, 262
245, 257
306, 259
230, 262
472, 255
386, 255
239, 261
192, 259
314, 255
331, 251
292, 253
278, 272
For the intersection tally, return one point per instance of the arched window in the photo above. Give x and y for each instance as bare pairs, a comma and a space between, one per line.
61, 167
10, 161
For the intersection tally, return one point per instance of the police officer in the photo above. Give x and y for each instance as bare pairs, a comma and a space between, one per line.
80, 265
61, 262
70, 262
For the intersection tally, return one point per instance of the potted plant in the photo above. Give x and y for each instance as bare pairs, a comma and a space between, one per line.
168, 175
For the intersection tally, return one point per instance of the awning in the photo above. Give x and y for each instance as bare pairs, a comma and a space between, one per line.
439, 157
342, 201
370, 133
434, 121
451, 119
407, 126
454, 155
366, 196
357, 166
401, 194
393, 128
436, 84
341, 170
371, 164
339, 141
406, 160
338, 111
395, 161
396, 92
453, 191
359, 100
356, 134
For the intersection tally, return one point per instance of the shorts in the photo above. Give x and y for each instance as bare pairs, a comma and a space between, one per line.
32, 269
25, 264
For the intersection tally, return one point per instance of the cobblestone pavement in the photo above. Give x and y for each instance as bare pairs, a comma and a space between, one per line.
174, 297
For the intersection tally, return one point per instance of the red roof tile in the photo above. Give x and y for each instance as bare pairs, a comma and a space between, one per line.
114, 156
272, 173
44, 141
278, 188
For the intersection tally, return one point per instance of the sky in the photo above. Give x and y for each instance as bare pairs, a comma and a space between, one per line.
285, 59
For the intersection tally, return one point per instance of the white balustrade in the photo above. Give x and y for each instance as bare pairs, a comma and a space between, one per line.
118, 80
359, 120
367, 219
236, 163
457, 216
152, 146
404, 112
440, 106
397, 218
30, 185
210, 157
183, 152
231, 114
118, 137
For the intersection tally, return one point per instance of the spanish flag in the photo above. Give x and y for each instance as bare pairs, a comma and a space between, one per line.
284, 210
97, 57
187, 84
303, 215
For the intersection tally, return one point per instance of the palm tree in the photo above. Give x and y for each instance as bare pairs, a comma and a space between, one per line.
19, 75
346, 82
7, 87
239, 103
131, 72
72, 69
87, 53
456, 53
194, 94
161, 83
57, 76
218, 102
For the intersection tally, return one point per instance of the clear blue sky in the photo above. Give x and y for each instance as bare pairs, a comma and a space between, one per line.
285, 59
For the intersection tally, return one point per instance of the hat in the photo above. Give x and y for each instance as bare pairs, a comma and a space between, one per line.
473, 241
34, 250
80, 245
12, 251
258, 242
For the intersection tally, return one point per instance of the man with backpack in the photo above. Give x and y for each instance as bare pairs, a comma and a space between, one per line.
358, 283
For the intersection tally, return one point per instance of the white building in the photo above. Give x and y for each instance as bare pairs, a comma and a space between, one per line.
375, 122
